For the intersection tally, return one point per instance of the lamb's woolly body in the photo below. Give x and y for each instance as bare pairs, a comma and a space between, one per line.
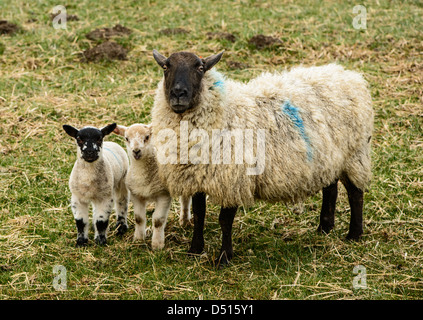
96, 181
143, 179
337, 121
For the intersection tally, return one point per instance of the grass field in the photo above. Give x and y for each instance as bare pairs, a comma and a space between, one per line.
278, 253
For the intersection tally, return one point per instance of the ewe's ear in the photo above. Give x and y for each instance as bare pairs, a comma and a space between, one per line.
70, 130
161, 60
120, 130
108, 129
209, 62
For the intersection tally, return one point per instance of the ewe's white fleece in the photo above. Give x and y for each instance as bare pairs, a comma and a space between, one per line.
332, 141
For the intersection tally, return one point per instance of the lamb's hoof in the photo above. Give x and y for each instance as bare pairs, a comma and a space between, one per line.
101, 240
184, 223
157, 246
81, 242
121, 228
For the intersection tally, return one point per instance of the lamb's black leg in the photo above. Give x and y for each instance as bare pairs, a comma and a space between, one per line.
327, 214
355, 198
199, 212
226, 219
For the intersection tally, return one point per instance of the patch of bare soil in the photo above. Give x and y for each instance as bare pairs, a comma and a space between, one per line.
261, 41
107, 50
221, 35
173, 31
107, 33
7, 27
69, 17
236, 65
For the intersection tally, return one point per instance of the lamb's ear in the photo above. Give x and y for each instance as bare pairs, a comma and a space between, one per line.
70, 130
161, 60
108, 129
120, 130
209, 62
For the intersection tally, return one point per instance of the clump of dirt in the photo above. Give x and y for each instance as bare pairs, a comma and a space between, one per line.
221, 35
69, 17
107, 50
236, 65
7, 27
107, 33
173, 31
261, 41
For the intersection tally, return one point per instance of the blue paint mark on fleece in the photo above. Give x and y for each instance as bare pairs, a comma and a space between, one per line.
120, 164
218, 84
294, 115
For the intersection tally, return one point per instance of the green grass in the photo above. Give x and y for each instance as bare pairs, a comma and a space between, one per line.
278, 254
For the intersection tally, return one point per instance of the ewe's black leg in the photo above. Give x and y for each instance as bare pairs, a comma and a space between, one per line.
199, 212
355, 198
327, 214
226, 219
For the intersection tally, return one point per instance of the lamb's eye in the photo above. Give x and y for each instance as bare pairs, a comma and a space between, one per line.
164, 67
146, 138
127, 139
79, 140
201, 68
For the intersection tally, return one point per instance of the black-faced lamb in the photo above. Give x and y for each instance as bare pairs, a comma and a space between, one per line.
313, 127
144, 185
98, 178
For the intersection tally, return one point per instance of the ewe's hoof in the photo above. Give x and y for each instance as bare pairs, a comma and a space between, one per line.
197, 247
354, 236
223, 261
325, 229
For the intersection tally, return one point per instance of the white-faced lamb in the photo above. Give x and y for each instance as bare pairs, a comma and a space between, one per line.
313, 127
145, 186
98, 178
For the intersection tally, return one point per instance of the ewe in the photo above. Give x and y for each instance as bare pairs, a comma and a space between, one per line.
317, 125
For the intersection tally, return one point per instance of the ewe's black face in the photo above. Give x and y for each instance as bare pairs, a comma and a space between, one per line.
89, 140
183, 72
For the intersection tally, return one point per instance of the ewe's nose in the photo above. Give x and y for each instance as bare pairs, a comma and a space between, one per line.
178, 91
